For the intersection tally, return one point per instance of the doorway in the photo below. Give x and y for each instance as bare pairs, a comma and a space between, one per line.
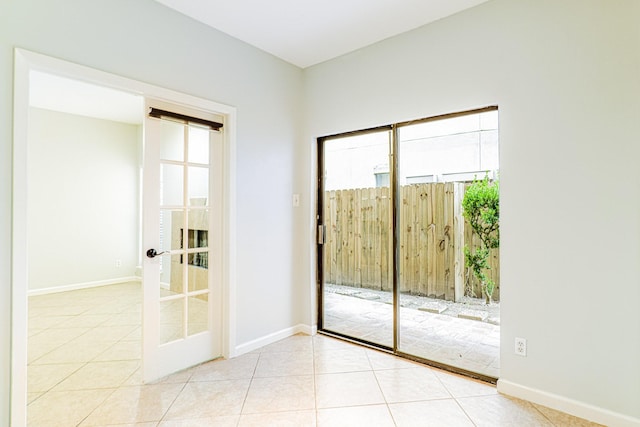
28, 62
394, 244
84, 306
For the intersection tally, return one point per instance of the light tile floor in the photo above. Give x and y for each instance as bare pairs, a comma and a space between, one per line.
84, 359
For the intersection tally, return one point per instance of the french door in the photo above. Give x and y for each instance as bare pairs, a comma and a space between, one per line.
182, 230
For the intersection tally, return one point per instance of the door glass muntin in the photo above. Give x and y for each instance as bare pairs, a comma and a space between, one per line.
185, 197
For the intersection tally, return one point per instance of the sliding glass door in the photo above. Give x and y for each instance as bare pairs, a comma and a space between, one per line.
394, 244
446, 318
356, 291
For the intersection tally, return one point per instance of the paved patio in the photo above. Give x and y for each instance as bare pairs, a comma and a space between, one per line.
469, 344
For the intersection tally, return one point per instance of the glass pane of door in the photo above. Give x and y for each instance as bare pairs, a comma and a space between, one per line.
184, 228
356, 259
443, 315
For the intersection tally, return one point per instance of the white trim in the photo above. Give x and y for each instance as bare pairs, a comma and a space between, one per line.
25, 62
229, 256
566, 405
85, 285
274, 337
19, 250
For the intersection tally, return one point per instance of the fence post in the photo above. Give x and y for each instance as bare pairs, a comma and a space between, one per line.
458, 236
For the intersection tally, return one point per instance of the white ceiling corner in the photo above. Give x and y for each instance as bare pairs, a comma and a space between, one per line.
305, 32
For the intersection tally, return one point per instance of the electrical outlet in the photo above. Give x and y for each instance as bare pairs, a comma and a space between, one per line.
521, 346
118, 263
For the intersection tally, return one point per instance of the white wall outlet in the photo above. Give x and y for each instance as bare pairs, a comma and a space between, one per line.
118, 263
296, 200
521, 346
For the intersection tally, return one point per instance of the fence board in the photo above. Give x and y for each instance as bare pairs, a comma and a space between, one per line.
431, 236
385, 232
421, 227
431, 242
439, 248
350, 238
341, 220
357, 237
458, 236
402, 244
368, 243
419, 198
413, 248
449, 259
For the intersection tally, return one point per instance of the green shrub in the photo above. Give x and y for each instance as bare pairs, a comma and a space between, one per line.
481, 207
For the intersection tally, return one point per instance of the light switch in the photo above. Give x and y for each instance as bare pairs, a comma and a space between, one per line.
296, 200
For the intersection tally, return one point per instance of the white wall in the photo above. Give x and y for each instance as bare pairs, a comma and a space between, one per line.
83, 199
145, 41
566, 76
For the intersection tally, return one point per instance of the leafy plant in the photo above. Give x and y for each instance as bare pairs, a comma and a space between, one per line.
481, 207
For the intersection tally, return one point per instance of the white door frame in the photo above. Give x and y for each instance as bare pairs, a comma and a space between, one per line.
25, 62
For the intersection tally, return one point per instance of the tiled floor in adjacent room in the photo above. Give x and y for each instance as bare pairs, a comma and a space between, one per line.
84, 360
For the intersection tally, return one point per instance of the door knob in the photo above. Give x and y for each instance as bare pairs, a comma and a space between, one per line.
151, 253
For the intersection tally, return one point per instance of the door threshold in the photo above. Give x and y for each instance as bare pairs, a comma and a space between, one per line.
432, 363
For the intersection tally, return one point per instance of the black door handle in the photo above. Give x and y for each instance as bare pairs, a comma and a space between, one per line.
151, 253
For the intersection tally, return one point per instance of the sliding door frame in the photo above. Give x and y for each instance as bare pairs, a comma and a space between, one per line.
320, 234
395, 226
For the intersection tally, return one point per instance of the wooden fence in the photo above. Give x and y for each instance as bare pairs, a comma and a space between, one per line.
432, 235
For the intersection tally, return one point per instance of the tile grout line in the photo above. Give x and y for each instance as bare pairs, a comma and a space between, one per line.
386, 401
98, 405
455, 399
184, 385
464, 411
246, 395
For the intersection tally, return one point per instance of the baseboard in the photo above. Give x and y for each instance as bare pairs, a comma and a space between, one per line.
566, 405
271, 338
85, 285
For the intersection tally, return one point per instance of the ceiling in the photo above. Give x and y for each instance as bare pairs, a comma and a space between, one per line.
57, 93
301, 32
305, 32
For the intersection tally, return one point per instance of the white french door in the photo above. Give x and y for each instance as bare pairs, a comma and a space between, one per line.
182, 238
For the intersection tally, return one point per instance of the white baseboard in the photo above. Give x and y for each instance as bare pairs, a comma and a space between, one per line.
85, 285
569, 406
271, 338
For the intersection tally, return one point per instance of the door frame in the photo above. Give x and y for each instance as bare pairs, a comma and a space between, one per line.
395, 226
320, 228
26, 61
